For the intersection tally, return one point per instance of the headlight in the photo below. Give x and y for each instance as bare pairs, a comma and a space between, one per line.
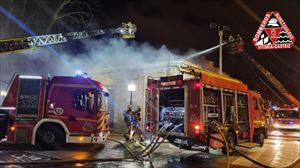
276, 133
276, 125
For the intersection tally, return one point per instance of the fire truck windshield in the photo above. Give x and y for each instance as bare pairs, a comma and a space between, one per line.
286, 114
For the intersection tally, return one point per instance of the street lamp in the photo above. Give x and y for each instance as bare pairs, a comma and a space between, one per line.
3, 93
131, 88
221, 29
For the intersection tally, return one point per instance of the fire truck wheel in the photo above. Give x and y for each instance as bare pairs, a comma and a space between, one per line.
231, 141
261, 139
51, 137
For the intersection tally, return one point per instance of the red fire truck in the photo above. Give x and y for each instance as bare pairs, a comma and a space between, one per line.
285, 122
196, 97
54, 111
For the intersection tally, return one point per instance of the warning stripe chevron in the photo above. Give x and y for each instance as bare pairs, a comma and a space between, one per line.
102, 121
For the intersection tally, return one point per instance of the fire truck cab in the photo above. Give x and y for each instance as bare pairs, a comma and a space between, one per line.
285, 121
197, 97
51, 112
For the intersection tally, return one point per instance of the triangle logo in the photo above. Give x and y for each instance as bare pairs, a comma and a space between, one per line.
87, 127
273, 33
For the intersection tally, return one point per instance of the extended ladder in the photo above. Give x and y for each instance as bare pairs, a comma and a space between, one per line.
127, 30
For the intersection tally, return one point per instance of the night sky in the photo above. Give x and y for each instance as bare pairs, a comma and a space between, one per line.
182, 25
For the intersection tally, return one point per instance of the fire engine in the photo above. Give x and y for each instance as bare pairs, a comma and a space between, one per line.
53, 111
285, 121
286, 118
196, 97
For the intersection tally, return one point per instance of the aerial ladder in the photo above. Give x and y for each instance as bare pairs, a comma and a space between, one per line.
236, 46
127, 30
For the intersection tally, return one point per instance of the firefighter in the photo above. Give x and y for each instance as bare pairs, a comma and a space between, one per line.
138, 133
240, 43
132, 119
90, 101
127, 118
232, 44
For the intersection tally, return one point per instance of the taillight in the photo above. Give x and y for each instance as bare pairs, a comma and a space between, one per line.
149, 127
197, 85
196, 129
12, 128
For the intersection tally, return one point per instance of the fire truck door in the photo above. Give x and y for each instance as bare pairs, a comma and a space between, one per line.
243, 117
28, 101
229, 108
87, 117
255, 107
29, 108
80, 116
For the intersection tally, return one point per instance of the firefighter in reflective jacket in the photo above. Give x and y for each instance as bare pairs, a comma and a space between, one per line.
136, 122
127, 118
132, 120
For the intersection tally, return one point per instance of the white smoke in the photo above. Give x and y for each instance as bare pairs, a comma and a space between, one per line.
114, 62
109, 55
120, 56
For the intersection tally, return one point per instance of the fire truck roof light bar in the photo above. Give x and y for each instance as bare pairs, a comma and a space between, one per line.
7, 108
30, 77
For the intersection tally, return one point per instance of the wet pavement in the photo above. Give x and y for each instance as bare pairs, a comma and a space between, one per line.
276, 152
287, 134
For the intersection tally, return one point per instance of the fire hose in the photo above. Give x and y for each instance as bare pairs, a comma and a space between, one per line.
128, 159
154, 145
134, 157
68, 161
165, 137
137, 157
163, 128
227, 146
